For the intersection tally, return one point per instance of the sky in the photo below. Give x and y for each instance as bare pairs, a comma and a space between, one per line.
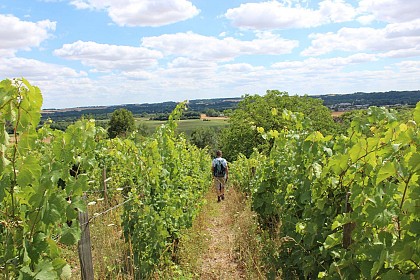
112, 52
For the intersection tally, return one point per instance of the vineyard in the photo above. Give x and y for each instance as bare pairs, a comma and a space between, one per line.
340, 206
45, 174
344, 207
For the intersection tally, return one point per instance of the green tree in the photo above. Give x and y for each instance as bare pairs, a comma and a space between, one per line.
206, 138
212, 113
121, 123
143, 130
265, 111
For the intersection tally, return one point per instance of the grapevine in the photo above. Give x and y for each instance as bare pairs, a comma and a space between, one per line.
346, 206
45, 173
37, 213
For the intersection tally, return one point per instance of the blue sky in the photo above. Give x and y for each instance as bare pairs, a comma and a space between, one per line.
108, 52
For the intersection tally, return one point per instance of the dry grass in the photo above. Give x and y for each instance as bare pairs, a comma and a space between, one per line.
249, 248
337, 114
219, 261
109, 251
205, 117
222, 243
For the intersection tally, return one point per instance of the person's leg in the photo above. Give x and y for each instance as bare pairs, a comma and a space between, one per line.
222, 188
218, 186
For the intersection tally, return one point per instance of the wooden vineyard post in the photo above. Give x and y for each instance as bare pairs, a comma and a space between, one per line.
104, 180
84, 246
253, 170
349, 227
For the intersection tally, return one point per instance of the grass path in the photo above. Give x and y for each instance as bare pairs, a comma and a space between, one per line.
210, 248
219, 260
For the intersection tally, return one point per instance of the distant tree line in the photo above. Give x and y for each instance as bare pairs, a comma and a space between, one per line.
224, 104
200, 105
240, 137
188, 115
372, 99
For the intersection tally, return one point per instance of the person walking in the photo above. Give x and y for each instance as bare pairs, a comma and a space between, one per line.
220, 171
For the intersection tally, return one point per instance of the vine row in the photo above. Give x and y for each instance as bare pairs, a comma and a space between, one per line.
339, 207
45, 173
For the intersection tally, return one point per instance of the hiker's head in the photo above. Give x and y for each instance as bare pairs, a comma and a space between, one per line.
218, 153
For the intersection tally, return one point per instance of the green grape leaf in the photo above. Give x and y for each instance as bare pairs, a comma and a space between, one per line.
386, 171
76, 203
46, 271
403, 251
53, 216
27, 141
414, 162
71, 212
339, 163
70, 235
416, 113
65, 272
29, 171
358, 150
322, 274
26, 258
415, 227
366, 268
28, 194
377, 265
55, 208
315, 137
341, 220
54, 250
25, 273
392, 275
63, 269
332, 240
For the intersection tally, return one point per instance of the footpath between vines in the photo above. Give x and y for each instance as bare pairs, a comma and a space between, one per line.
211, 249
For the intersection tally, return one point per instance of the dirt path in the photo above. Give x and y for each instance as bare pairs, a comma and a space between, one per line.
218, 258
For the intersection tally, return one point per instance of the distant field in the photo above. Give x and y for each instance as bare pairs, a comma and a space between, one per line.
186, 126
337, 114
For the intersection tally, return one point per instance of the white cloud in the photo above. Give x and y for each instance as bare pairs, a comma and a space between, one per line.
104, 57
277, 15
402, 53
409, 66
394, 37
35, 69
142, 12
366, 19
16, 34
391, 10
139, 75
319, 66
241, 68
60, 86
183, 62
337, 11
202, 47
405, 29
272, 15
322, 78
346, 39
